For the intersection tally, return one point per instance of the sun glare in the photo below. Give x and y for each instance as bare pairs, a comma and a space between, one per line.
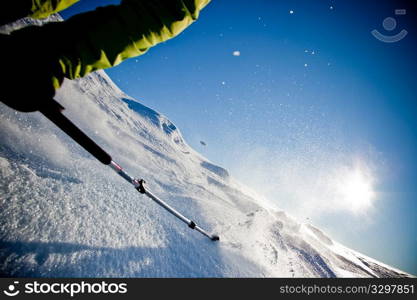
355, 189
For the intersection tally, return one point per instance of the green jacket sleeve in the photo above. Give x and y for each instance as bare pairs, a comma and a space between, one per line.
38, 9
105, 37
43, 8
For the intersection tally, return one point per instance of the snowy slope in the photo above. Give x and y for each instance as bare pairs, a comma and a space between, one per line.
63, 214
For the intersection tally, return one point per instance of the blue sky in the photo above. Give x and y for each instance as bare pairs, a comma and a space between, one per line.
310, 99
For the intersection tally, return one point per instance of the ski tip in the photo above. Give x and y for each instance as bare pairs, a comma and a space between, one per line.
215, 237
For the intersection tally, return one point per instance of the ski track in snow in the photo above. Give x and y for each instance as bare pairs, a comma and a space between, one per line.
63, 214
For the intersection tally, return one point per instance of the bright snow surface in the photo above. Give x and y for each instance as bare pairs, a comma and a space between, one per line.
64, 214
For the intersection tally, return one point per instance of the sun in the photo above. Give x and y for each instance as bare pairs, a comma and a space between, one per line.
355, 189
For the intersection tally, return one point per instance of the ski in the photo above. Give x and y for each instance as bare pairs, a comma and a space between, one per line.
54, 113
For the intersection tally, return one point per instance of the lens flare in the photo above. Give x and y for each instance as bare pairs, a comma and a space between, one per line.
355, 189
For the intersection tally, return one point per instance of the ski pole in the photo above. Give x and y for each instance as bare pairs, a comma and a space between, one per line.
139, 186
54, 113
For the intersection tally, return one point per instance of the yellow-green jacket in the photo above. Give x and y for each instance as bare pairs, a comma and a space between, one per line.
98, 39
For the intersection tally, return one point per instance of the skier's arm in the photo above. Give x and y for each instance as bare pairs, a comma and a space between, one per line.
38, 9
85, 43
105, 37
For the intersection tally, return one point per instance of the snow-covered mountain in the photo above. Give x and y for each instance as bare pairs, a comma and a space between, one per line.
64, 214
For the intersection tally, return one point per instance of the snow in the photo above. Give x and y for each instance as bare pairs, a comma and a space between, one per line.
63, 214
7, 28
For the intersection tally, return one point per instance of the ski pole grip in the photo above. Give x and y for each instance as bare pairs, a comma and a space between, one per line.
54, 113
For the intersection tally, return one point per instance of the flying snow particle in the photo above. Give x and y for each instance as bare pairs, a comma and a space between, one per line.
223, 82
236, 53
306, 65
331, 7
291, 12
